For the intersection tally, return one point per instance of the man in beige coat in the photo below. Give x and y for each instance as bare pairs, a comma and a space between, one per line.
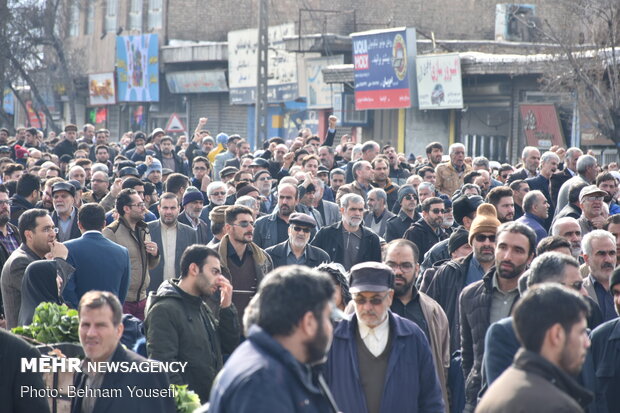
402, 256
130, 231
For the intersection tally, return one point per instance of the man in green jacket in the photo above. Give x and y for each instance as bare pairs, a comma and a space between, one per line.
181, 327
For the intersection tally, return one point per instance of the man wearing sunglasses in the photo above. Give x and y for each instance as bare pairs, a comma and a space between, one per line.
391, 368
453, 276
427, 231
296, 250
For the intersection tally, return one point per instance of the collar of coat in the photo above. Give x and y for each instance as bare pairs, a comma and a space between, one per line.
259, 255
534, 363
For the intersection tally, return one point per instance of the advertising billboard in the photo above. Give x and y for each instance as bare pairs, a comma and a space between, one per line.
384, 64
101, 89
137, 68
439, 81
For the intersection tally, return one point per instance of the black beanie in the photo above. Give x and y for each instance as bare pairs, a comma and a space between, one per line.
457, 240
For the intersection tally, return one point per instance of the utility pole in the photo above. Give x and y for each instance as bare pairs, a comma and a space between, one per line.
261, 108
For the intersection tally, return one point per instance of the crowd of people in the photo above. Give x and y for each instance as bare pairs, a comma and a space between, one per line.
316, 274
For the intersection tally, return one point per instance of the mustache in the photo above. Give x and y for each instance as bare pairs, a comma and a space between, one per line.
607, 265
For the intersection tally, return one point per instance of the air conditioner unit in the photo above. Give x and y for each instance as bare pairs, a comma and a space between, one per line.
513, 22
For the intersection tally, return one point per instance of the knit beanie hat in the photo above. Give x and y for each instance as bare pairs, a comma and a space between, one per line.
485, 221
615, 278
155, 166
246, 190
457, 240
406, 190
192, 194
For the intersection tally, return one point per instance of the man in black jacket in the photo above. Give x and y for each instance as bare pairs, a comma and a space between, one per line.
491, 299
408, 201
348, 242
427, 231
453, 276
296, 250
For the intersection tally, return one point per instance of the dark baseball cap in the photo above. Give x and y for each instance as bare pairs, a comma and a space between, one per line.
372, 277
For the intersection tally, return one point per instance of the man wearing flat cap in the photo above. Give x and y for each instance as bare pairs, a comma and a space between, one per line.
65, 213
221, 158
69, 145
296, 250
591, 200
379, 361
408, 201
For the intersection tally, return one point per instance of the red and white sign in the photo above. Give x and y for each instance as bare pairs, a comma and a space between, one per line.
175, 124
541, 125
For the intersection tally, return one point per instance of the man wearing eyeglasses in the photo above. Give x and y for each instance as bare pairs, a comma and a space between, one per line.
244, 263
427, 231
38, 235
402, 256
591, 200
451, 277
391, 368
130, 231
407, 216
297, 250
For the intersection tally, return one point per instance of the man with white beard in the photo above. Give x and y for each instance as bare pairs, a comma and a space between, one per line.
569, 228
348, 242
296, 250
193, 202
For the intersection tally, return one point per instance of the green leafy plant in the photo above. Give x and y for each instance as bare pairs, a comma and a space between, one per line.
186, 400
52, 323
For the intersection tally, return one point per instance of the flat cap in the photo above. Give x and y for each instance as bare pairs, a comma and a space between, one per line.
129, 171
260, 162
591, 190
63, 186
300, 218
76, 184
71, 128
372, 277
229, 170
465, 205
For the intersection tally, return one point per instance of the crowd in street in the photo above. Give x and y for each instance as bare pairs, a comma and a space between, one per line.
316, 274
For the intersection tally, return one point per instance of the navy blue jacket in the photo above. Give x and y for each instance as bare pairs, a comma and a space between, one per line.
100, 264
605, 352
411, 383
262, 376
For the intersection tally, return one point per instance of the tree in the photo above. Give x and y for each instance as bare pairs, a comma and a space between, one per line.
587, 59
31, 48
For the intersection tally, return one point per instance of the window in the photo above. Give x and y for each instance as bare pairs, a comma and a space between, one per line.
111, 12
135, 15
89, 27
155, 14
74, 18
350, 114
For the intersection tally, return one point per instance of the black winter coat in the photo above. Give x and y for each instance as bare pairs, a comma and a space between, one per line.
475, 315
422, 235
329, 239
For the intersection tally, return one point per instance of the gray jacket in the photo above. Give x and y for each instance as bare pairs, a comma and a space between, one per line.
382, 225
186, 237
11, 280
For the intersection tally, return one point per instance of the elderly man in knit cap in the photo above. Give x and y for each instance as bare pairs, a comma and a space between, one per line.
192, 204
605, 349
408, 201
453, 276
